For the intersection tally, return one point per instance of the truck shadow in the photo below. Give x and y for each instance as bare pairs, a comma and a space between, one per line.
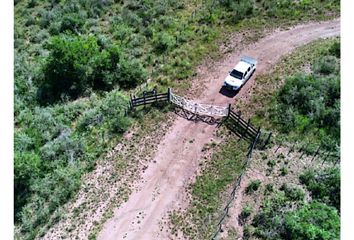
228, 93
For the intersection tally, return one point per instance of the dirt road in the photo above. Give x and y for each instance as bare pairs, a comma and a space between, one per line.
178, 154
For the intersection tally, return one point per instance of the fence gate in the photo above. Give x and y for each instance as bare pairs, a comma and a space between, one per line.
232, 120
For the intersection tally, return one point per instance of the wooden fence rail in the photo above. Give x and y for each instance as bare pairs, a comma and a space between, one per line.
233, 121
149, 98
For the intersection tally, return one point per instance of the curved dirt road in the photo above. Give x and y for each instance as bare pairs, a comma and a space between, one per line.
178, 154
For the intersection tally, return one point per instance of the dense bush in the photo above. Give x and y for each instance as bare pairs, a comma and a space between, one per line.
71, 22
324, 186
310, 103
77, 64
334, 50
293, 193
326, 65
163, 41
278, 219
313, 221
68, 70
51, 155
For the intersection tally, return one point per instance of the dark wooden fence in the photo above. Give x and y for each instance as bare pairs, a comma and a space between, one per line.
235, 187
244, 129
149, 98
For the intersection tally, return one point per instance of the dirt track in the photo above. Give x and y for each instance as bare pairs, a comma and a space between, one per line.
178, 154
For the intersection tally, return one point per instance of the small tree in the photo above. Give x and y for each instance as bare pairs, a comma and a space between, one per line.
68, 69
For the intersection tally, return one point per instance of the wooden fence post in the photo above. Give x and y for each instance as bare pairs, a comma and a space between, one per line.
246, 129
144, 100
326, 157
169, 94
318, 149
131, 101
266, 142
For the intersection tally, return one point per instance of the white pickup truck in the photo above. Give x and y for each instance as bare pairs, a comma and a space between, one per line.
240, 73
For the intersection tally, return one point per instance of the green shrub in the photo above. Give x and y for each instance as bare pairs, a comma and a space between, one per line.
293, 193
324, 186
68, 68
284, 171
313, 221
326, 65
246, 212
26, 168
271, 163
269, 188
163, 41
335, 49
308, 102
253, 186
76, 65
241, 10
71, 22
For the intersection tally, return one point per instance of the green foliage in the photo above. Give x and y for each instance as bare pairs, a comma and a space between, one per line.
283, 171
253, 186
268, 222
293, 193
246, 212
71, 22
312, 102
271, 163
324, 186
68, 69
269, 188
163, 41
51, 155
241, 10
313, 221
76, 65
48, 193
326, 65
285, 214
334, 50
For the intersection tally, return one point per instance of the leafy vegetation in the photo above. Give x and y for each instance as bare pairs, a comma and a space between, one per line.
51, 154
311, 102
77, 65
323, 186
277, 220
312, 221
300, 109
253, 186
74, 63
246, 212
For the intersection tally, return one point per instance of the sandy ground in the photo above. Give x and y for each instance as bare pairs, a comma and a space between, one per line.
178, 153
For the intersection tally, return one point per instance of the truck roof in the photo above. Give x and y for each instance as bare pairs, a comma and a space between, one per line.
242, 66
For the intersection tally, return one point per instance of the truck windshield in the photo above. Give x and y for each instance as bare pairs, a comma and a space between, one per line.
236, 74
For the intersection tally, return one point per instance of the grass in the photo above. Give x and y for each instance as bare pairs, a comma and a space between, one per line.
197, 37
198, 221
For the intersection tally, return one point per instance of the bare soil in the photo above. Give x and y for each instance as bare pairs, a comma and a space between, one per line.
176, 160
